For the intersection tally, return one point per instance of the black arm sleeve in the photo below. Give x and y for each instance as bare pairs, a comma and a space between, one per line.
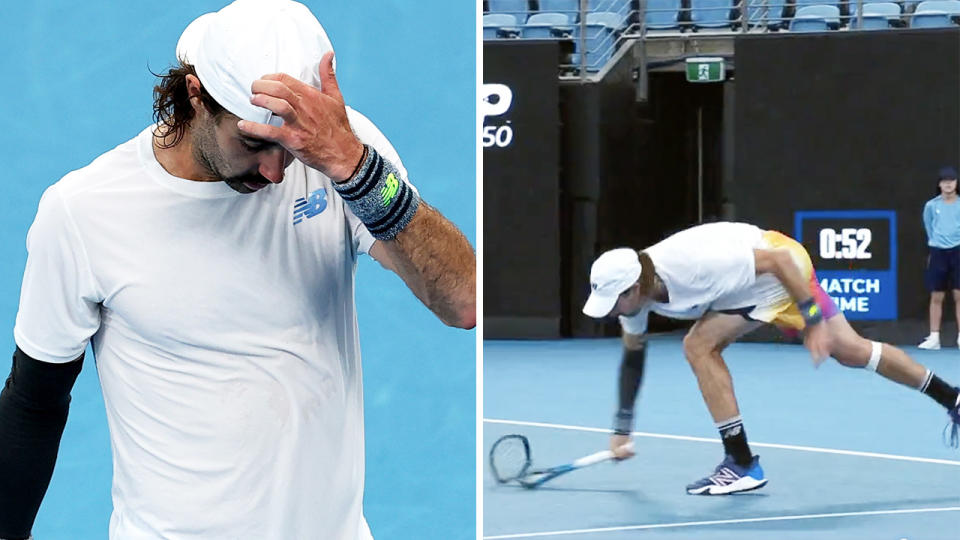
33, 412
631, 374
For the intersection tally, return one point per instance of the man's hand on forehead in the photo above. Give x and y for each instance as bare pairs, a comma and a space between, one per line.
315, 127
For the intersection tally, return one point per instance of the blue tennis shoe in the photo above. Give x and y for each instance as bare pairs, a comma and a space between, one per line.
954, 426
729, 477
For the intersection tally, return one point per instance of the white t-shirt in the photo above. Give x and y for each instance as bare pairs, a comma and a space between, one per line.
225, 336
703, 267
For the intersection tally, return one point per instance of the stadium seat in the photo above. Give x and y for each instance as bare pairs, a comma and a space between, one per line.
950, 7
800, 4
888, 9
601, 39
546, 26
809, 24
599, 44
815, 19
493, 23
877, 15
518, 8
570, 8
871, 22
803, 3
852, 4
662, 14
930, 19
710, 13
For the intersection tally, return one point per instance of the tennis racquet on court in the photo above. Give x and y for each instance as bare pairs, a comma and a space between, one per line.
510, 461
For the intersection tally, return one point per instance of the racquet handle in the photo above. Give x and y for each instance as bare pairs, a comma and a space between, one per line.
598, 457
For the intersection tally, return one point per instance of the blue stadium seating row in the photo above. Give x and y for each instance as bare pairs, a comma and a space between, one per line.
546, 25
811, 15
552, 19
876, 15
600, 37
603, 28
571, 8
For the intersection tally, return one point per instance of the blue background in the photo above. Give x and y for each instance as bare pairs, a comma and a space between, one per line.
76, 84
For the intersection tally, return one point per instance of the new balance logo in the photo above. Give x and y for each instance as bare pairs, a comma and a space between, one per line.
724, 477
310, 206
390, 189
732, 431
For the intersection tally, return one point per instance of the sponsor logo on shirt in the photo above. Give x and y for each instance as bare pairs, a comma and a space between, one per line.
309, 206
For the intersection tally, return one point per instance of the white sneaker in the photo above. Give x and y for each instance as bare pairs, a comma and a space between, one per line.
931, 343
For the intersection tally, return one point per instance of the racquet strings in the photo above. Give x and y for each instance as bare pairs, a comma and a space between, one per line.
510, 458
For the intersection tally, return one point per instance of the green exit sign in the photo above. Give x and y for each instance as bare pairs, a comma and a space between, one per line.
705, 69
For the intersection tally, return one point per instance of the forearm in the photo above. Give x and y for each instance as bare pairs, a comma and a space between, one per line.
427, 251
780, 263
792, 280
630, 378
438, 264
33, 412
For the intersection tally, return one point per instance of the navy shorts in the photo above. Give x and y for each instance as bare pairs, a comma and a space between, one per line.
943, 269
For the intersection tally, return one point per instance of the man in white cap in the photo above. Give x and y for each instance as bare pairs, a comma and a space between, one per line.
732, 278
210, 263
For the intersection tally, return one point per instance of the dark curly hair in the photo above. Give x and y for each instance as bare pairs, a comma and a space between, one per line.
171, 103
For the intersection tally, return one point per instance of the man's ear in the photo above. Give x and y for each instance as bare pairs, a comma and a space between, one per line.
193, 91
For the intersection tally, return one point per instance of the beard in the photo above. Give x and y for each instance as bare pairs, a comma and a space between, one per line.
208, 153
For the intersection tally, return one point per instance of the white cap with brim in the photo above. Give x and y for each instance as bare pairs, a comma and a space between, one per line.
248, 39
611, 274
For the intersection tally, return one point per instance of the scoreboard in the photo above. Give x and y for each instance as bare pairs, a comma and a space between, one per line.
854, 254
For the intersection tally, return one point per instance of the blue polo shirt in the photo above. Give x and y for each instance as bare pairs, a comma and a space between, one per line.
942, 221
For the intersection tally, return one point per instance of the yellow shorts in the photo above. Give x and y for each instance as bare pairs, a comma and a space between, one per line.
775, 306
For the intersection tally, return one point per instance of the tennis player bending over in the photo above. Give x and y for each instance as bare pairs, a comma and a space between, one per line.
732, 278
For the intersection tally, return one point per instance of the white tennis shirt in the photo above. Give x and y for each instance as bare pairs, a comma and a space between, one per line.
703, 267
225, 336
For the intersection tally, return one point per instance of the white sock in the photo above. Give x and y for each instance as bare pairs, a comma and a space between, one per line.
935, 335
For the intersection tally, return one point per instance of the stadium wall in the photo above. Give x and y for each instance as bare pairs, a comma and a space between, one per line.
521, 190
833, 126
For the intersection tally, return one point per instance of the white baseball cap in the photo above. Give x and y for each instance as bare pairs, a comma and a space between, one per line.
611, 274
248, 39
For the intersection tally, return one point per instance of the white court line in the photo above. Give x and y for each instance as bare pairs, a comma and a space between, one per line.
723, 522
716, 441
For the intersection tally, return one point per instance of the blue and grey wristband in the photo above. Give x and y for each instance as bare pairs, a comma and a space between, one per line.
623, 422
379, 196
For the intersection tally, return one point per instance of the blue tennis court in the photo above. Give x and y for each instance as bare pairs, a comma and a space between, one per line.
848, 454
78, 82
